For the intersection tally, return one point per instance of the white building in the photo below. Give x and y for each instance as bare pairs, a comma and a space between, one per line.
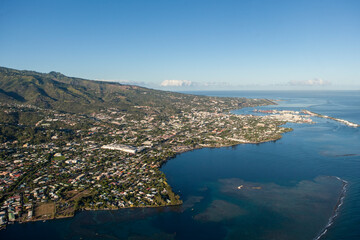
121, 147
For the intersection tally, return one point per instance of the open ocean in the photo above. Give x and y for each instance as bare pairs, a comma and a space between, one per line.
304, 186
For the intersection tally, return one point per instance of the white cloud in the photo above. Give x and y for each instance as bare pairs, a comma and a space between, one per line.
176, 83
311, 82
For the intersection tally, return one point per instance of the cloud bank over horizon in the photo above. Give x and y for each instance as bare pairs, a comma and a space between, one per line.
176, 83
190, 85
223, 85
311, 82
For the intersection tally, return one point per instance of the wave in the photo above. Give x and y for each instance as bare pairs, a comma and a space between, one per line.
336, 210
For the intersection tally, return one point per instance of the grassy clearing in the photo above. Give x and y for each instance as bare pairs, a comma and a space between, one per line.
45, 211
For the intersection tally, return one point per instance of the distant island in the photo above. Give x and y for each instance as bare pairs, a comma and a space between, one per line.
70, 144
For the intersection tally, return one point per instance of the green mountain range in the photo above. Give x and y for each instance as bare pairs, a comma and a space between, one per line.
75, 95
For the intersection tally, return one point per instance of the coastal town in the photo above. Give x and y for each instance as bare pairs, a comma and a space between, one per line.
111, 159
287, 115
303, 116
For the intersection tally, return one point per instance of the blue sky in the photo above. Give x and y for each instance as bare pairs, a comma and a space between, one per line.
191, 44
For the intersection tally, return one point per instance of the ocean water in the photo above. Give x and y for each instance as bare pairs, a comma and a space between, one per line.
304, 186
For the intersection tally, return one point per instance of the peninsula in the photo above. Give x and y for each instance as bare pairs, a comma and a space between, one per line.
348, 123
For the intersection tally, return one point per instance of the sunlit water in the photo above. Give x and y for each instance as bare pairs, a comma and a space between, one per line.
278, 190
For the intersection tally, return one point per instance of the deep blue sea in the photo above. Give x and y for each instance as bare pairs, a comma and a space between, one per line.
287, 189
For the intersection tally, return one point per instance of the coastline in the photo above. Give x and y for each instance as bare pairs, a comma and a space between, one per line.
337, 156
323, 231
148, 206
234, 142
